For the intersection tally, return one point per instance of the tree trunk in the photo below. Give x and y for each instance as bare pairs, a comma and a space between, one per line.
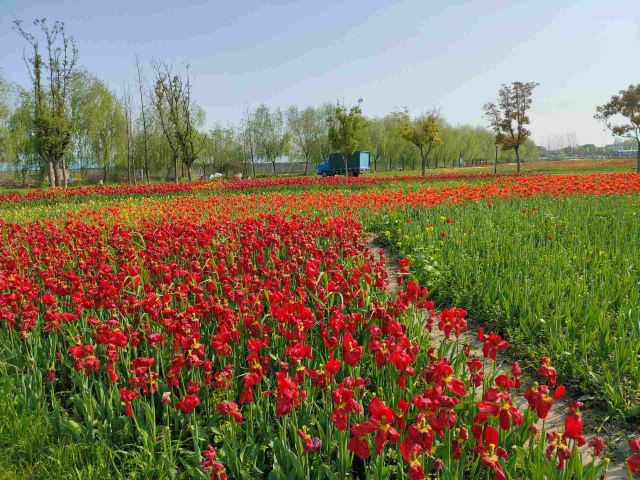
306, 165
495, 165
65, 180
51, 174
273, 164
517, 149
189, 172
128, 167
175, 168
104, 174
346, 165
424, 162
56, 173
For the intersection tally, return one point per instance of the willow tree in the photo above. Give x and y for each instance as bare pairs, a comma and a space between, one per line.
50, 71
272, 138
625, 105
508, 116
423, 132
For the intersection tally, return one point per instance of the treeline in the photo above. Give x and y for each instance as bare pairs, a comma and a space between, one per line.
68, 122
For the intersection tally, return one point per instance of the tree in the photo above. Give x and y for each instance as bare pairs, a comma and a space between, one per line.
272, 139
345, 129
145, 123
626, 104
423, 132
308, 129
107, 127
51, 126
223, 151
492, 113
5, 117
127, 104
509, 117
179, 116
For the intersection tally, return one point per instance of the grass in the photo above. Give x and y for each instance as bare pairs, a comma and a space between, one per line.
539, 166
560, 276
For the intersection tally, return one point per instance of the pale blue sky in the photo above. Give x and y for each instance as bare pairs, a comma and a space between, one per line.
418, 53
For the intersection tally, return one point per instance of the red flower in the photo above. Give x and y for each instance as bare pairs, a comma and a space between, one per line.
288, 394
498, 404
490, 453
441, 375
598, 445
126, 397
411, 454
540, 400
557, 446
573, 423
311, 444
343, 403
351, 351
547, 371
452, 319
381, 418
359, 445
231, 409
188, 403
210, 465
633, 462
491, 343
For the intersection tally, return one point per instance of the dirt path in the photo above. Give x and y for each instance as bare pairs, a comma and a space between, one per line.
555, 420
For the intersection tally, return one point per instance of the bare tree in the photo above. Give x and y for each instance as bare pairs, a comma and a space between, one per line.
177, 116
127, 107
145, 148
52, 128
509, 116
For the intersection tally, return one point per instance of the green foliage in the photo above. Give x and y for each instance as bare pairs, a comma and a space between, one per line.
423, 132
272, 137
308, 130
626, 105
345, 130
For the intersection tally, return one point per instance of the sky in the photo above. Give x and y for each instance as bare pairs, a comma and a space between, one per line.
416, 53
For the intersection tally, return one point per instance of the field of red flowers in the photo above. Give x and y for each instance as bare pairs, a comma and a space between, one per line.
254, 335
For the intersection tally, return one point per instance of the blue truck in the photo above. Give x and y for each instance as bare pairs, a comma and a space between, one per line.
334, 164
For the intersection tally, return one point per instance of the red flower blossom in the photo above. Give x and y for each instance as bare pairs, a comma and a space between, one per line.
573, 423
490, 453
311, 444
540, 400
351, 351
547, 372
210, 465
188, 403
126, 397
491, 343
381, 418
231, 409
288, 394
343, 404
633, 462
